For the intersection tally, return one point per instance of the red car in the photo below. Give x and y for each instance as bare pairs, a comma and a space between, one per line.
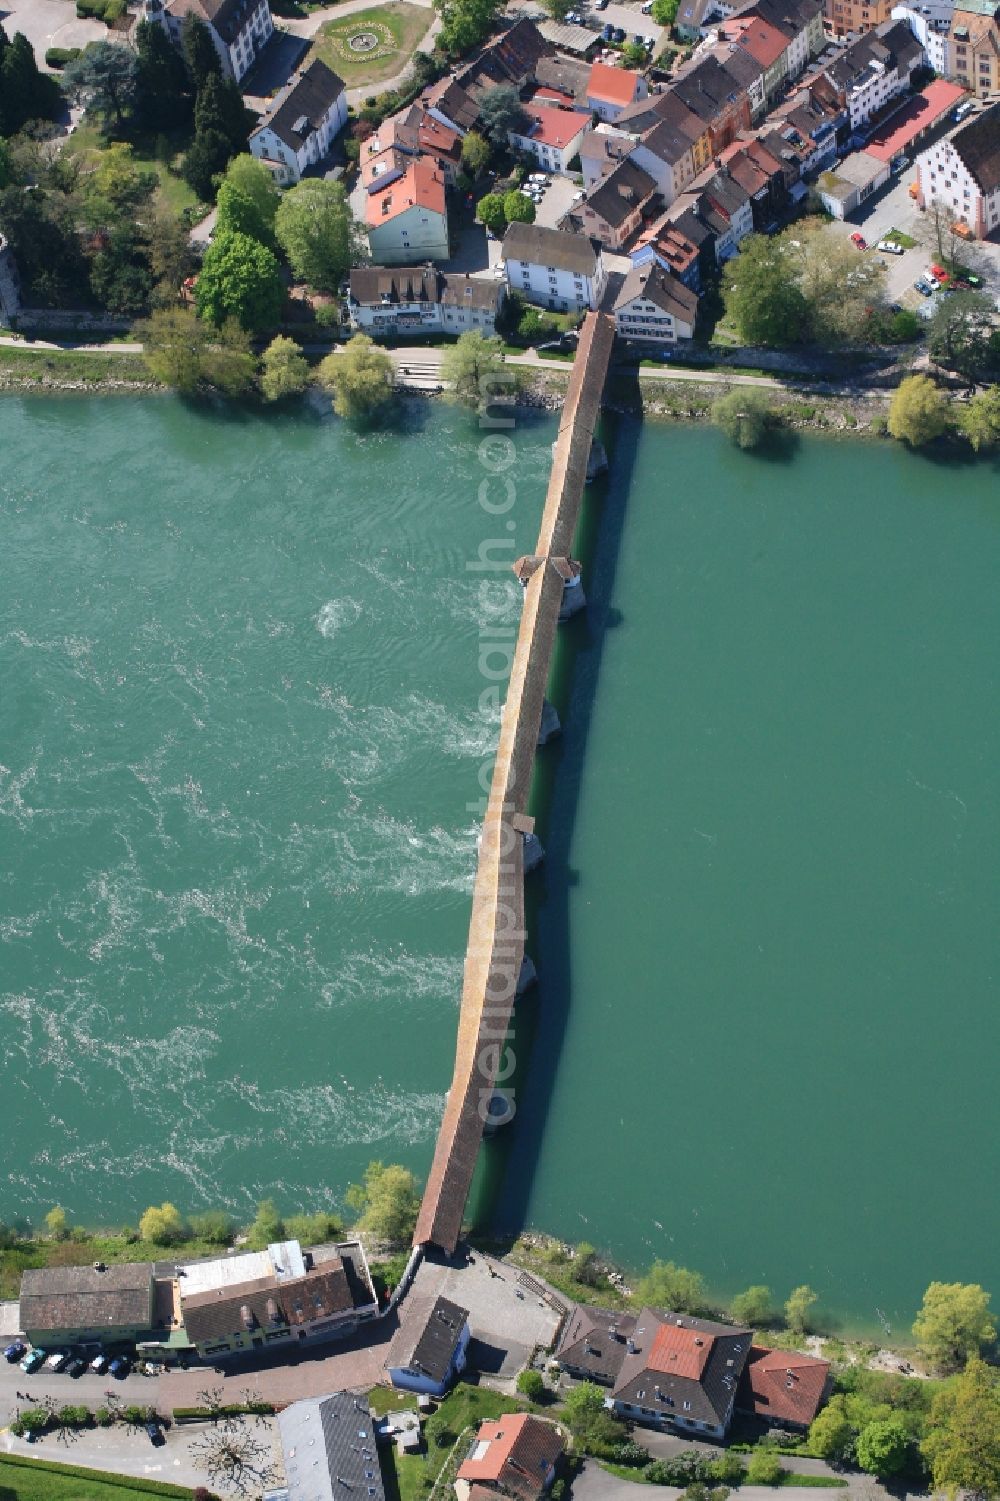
859, 240
940, 273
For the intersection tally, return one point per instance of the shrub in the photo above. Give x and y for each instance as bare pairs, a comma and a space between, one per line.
58, 57
444, 1438
764, 1468
631, 1454
745, 416
531, 1385
728, 1469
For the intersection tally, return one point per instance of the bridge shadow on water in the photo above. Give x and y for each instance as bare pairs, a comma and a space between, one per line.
501, 1195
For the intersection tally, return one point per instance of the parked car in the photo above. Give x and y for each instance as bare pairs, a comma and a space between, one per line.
973, 280
32, 1361
120, 1367
859, 240
618, 34
76, 1368
923, 287
58, 1360
647, 7
939, 274
99, 1364
890, 247
600, 4
156, 1436
14, 1351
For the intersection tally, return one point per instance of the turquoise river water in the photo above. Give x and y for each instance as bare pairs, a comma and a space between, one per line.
240, 731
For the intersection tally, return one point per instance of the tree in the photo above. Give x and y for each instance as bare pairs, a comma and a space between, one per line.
667, 1285
665, 12
235, 1459
745, 416
962, 1444
558, 9
6, 165
162, 98
162, 1226
979, 419
248, 200
120, 277
473, 368
171, 258
918, 414
755, 1306
960, 333
464, 23
316, 230
183, 352
842, 290
798, 1307
728, 1469
219, 107
267, 1227
55, 1223
106, 77
518, 208
762, 293
361, 380
239, 279
500, 111
476, 152
46, 246
204, 161
593, 1427
285, 370
882, 1446
585, 1265
764, 1468
954, 1322
633, 55
199, 51
390, 1197
213, 1225
831, 1432
490, 211
26, 93
531, 1385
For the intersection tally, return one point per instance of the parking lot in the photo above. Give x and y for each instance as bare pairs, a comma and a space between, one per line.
895, 209
629, 17
49, 23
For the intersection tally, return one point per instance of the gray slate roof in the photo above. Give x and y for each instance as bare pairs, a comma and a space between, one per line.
78, 1297
648, 1380
268, 1303
329, 1450
978, 144
618, 195
428, 1337
308, 96
656, 285
593, 1340
550, 247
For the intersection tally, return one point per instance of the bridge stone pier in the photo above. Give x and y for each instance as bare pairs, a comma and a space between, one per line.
495, 959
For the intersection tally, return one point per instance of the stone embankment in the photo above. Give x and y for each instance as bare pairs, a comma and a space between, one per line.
494, 958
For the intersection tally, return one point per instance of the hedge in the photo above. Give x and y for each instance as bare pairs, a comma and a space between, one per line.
79, 1472
58, 57
231, 1410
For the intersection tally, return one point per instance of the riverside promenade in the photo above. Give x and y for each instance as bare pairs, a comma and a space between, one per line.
496, 932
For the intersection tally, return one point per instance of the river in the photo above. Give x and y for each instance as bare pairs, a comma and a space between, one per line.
241, 733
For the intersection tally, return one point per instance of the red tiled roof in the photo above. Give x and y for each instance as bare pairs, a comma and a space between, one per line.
421, 186
515, 1452
612, 85
553, 127
783, 1385
920, 112
680, 1351
763, 41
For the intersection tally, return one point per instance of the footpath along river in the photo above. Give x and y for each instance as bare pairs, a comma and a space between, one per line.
240, 731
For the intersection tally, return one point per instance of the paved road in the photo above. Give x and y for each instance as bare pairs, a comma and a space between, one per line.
126, 1452
49, 23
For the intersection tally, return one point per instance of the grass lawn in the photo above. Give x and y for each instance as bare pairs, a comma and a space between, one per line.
34, 1481
70, 364
172, 195
409, 1476
907, 241
398, 27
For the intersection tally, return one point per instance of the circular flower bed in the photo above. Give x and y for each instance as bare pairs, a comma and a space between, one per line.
370, 40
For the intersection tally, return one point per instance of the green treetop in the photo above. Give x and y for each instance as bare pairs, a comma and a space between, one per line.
363, 385
954, 1322
918, 413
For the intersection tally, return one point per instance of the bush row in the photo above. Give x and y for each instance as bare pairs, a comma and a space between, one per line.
77, 1472
58, 57
108, 11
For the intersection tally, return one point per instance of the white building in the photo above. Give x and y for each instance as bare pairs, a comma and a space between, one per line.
386, 301
561, 271
302, 124
610, 90
239, 28
930, 24
653, 307
552, 136
962, 171
846, 187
